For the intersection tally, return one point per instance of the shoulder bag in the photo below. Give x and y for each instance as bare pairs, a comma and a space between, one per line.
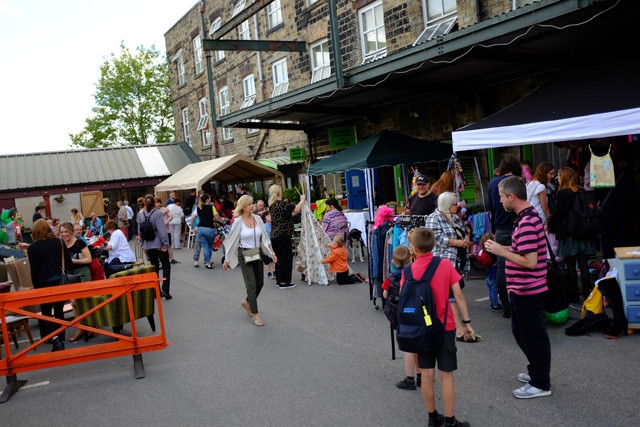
252, 254
65, 278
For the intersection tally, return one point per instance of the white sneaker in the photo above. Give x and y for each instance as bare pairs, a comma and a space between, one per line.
524, 377
528, 391
195, 264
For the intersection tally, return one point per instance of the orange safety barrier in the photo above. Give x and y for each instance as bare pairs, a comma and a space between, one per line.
120, 292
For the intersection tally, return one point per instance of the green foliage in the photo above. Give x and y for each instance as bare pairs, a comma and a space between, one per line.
133, 102
292, 193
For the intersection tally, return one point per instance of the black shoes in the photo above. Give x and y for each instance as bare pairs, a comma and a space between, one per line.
166, 296
406, 384
438, 422
57, 344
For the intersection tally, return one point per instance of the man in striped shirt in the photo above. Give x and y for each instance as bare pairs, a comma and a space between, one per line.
526, 270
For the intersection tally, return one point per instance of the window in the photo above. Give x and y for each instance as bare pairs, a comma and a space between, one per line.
215, 27
197, 53
280, 77
249, 88
440, 18
244, 32
203, 123
436, 30
320, 61
225, 109
180, 63
372, 32
438, 9
185, 125
274, 14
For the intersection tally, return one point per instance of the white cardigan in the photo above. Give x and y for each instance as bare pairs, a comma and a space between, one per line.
232, 241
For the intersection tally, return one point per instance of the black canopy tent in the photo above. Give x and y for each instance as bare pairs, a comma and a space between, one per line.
594, 98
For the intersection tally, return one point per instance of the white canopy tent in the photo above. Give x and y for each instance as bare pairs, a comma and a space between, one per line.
583, 100
234, 169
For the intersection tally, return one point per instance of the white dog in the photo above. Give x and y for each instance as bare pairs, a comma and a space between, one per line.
356, 244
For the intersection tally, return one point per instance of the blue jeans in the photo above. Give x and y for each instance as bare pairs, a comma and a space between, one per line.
503, 237
492, 284
205, 236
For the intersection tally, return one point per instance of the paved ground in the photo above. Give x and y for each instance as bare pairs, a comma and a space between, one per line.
323, 359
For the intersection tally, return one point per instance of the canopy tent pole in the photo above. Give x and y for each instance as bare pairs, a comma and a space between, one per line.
484, 202
368, 179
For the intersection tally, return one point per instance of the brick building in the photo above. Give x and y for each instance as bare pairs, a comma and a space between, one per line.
424, 68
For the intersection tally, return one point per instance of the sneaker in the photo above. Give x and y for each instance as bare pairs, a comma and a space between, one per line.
208, 265
497, 308
175, 261
458, 424
528, 391
524, 378
273, 277
195, 264
406, 384
57, 344
289, 286
438, 422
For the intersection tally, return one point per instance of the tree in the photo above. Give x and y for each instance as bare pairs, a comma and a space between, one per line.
133, 102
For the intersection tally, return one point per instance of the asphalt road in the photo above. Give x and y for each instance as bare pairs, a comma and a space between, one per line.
322, 359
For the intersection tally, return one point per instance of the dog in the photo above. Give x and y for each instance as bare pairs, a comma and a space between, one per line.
356, 244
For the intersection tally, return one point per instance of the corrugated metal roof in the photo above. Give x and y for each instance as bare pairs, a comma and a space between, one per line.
85, 166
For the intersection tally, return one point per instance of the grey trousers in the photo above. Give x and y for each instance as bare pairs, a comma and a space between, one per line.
253, 275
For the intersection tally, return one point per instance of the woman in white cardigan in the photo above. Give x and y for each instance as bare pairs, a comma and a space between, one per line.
248, 232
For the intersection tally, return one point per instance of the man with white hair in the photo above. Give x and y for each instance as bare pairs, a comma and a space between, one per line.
129, 218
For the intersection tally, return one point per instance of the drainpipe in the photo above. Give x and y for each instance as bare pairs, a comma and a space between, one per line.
261, 82
212, 104
335, 42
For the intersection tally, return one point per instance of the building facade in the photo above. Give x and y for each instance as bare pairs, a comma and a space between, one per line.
424, 68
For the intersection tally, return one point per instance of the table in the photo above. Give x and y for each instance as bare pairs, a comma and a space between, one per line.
357, 220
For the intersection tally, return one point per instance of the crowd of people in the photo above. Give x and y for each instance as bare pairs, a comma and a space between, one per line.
527, 207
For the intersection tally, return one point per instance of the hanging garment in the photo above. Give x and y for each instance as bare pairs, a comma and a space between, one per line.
601, 172
312, 249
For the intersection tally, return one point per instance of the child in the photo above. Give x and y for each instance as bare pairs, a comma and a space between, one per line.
266, 218
444, 279
490, 261
337, 261
400, 257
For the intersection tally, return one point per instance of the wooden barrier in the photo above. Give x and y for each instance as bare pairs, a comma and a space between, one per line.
107, 293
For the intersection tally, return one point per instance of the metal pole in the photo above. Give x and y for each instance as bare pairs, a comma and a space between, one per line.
212, 104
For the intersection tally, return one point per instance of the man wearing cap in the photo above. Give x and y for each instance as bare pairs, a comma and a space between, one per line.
424, 202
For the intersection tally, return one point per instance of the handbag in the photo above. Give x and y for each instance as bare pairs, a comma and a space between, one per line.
252, 254
557, 296
266, 259
65, 278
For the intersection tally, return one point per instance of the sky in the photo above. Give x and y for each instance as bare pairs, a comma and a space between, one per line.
52, 52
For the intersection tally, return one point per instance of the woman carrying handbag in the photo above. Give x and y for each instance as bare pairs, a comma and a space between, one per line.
46, 271
246, 243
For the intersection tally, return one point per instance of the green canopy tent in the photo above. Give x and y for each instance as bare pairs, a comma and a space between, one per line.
386, 148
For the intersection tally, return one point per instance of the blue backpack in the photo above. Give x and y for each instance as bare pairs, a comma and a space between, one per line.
419, 329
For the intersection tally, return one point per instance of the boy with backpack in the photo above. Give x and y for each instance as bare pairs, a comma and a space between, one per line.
444, 277
391, 292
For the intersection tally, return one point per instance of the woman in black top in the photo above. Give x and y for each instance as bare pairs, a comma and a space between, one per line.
207, 215
281, 232
45, 259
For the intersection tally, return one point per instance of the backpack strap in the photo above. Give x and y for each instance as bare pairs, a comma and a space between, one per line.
428, 273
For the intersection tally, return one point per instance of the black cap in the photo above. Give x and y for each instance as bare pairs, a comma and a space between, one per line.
422, 179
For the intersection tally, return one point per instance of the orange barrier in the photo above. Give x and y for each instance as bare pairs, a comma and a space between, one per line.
109, 292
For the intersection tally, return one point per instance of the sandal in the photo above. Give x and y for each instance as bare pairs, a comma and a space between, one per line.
247, 307
471, 338
257, 321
